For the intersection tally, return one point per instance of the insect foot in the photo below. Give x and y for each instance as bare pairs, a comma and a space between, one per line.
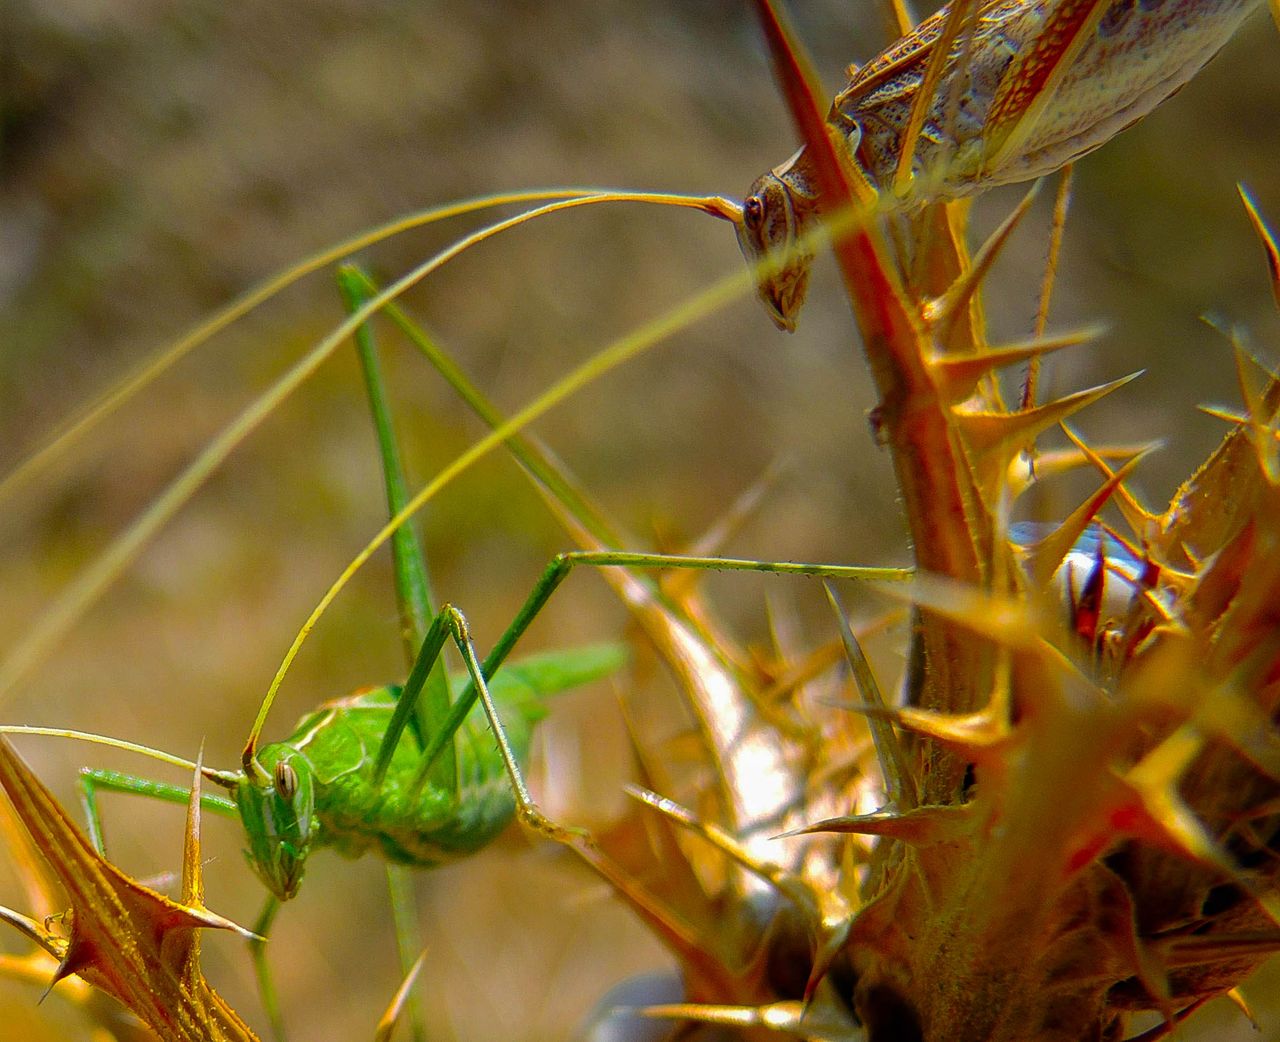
533, 818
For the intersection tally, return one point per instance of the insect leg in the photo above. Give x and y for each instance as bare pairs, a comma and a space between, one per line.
526, 808
262, 967
93, 779
416, 604
450, 620
560, 567
413, 584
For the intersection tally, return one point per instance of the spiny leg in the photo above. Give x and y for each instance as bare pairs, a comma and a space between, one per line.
450, 624
413, 595
262, 968
527, 810
412, 580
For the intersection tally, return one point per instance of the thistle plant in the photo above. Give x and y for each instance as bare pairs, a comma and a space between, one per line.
1056, 820
1077, 805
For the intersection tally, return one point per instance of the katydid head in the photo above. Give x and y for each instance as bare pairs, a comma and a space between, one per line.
770, 237
278, 812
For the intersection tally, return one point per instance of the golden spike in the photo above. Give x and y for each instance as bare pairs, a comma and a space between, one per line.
944, 310
1265, 234
1161, 816
920, 827
1260, 432
994, 438
1220, 412
1047, 555
788, 1018
959, 373
387, 1024
1259, 427
979, 734
1140, 520
1054, 462
1235, 995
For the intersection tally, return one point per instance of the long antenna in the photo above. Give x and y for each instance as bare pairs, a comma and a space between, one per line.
227, 779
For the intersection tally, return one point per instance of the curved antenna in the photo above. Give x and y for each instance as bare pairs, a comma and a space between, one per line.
616, 354
227, 779
612, 356
74, 430
71, 433
68, 608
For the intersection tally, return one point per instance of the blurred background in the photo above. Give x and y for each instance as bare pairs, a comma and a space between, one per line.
158, 158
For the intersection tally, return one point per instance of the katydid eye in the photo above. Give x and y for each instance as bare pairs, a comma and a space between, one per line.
286, 779
753, 212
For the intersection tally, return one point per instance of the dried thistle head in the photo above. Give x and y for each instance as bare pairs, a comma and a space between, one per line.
123, 938
1081, 798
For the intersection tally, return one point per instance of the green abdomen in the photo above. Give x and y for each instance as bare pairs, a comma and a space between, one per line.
425, 826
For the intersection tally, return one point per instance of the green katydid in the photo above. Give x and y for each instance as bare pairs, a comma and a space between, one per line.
347, 777
436, 794
324, 786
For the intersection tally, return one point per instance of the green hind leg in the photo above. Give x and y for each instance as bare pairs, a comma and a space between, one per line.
451, 625
413, 595
262, 967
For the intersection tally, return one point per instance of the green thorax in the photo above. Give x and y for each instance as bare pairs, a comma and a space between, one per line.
424, 825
